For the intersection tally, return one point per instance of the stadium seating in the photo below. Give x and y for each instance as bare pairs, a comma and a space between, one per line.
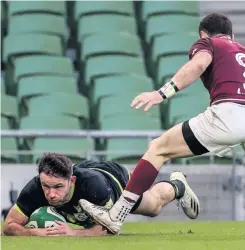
24, 44
119, 148
38, 23
8, 144
115, 43
3, 87
108, 109
112, 85
178, 114
46, 84
4, 19
59, 103
169, 45
83, 8
53, 122
9, 108
168, 66
52, 7
164, 24
42, 65
112, 65
154, 8
75, 149
121, 48
95, 24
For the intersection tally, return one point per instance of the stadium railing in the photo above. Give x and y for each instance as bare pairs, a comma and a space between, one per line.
90, 135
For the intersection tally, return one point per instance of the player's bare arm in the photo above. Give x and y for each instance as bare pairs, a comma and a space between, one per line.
15, 222
192, 70
14, 225
65, 230
186, 75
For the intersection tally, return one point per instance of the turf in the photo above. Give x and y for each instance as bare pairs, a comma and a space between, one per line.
146, 236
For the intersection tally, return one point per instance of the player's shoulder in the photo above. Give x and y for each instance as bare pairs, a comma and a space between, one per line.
86, 169
33, 187
202, 44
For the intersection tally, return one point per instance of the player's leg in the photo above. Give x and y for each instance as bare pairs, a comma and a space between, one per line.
162, 193
153, 200
170, 145
216, 130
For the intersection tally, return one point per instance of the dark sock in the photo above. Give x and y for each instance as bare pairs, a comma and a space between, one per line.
142, 177
179, 188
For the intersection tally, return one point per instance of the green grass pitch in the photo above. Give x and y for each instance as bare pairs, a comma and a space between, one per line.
145, 236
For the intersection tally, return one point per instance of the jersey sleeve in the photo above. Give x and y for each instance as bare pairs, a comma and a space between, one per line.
98, 191
204, 44
31, 197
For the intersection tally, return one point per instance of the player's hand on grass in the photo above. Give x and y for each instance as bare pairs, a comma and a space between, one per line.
39, 232
148, 99
61, 229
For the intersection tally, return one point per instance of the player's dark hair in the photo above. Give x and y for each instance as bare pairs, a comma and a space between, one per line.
56, 165
214, 24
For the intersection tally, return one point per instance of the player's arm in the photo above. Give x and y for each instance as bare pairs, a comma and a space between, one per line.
28, 201
201, 57
14, 224
192, 70
63, 229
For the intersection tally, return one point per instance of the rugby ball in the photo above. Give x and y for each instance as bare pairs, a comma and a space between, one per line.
45, 217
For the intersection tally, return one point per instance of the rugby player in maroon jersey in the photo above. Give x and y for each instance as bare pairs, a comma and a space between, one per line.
220, 63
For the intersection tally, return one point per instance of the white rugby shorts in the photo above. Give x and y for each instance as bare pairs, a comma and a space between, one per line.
218, 130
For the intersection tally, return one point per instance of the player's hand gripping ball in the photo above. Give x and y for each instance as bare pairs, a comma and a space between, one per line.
45, 217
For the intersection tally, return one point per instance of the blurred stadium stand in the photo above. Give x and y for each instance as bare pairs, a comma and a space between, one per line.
76, 65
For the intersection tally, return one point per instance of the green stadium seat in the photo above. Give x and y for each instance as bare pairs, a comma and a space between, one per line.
60, 104
9, 106
114, 43
46, 84
112, 85
131, 121
8, 150
5, 123
164, 24
42, 65
3, 87
38, 23
113, 65
7, 144
74, 148
178, 114
168, 66
53, 122
24, 44
128, 149
51, 7
106, 23
170, 44
50, 122
108, 108
166, 7
83, 8
4, 18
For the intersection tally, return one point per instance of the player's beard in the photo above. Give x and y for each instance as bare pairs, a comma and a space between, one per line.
66, 198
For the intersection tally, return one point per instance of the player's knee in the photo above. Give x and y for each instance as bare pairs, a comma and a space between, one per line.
159, 147
156, 211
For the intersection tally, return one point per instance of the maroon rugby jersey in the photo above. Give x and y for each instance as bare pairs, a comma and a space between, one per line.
225, 76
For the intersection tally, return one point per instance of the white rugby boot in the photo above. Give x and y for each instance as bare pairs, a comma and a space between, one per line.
189, 202
102, 216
